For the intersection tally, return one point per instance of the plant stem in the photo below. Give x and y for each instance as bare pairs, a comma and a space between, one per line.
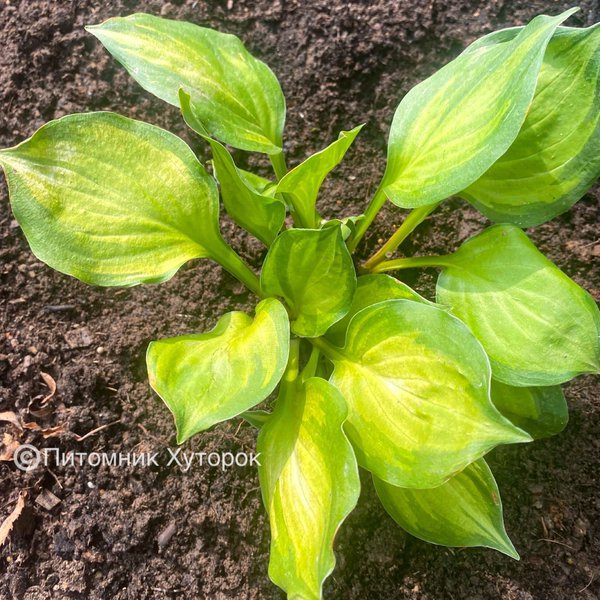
329, 350
293, 365
232, 263
414, 218
312, 365
374, 207
413, 262
279, 166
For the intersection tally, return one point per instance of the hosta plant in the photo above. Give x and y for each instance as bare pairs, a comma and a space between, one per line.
357, 369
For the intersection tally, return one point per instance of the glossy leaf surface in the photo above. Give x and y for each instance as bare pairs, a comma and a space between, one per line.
417, 386
309, 481
540, 411
556, 156
261, 215
537, 326
304, 181
235, 97
112, 201
210, 377
371, 289
451, 128
465, 511
313, 271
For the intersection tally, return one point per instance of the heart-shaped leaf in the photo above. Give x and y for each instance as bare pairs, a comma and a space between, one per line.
309, 481
464, 511
371, 289
538, 327
112, 201
417, 386
313, 271
235, 97
540, 411
556, 156
452, 127
210, 377
304, 181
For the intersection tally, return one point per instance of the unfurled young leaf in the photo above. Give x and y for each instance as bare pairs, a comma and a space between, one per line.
235, 97
210, 377
452, 127
309, 482
417, 386
540, 411
312, 270
371, 289
464, 511
303, 182
556, 156
538, 327
112, 201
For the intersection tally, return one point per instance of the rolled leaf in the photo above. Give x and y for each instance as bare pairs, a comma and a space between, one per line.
464, 511
304, 181
417, 386
371, 289
451, 128
112, 201
235, 97
313, 271
210, 377
309, 481
538, 327
261, 215
556, 156
540, 411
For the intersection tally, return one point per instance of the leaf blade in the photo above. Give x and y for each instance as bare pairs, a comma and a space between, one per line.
371, 289
465, 511
313, 271
236, 97
556, 156
540, 411
416, 382
90, 208
451, 128
309, 480
538, 326
304, 181
208, 378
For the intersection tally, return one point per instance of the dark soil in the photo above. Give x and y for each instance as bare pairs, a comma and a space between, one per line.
340, 64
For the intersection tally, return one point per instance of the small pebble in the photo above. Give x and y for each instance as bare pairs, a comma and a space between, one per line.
100, 350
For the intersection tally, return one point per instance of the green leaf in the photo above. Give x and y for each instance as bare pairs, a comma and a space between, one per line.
313, 271
210, 377
309, 481
256, 418
451, 128
371, 289
556, 156
235, 97
537, 326
540, 411
261, 215
465, 511
417, 386
304, 181
347, 224
112, 201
